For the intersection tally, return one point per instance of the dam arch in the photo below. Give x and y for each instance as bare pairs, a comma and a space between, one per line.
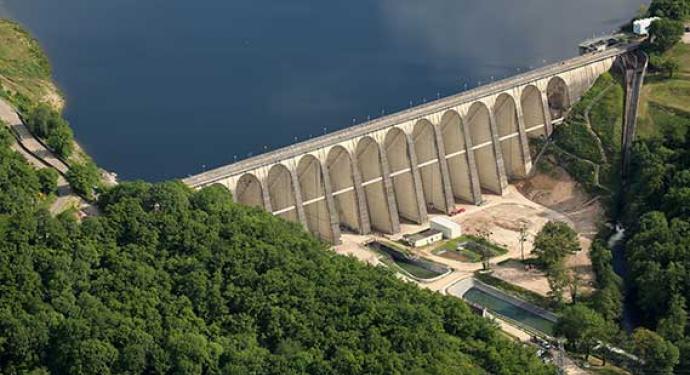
315, 197
368, 154
558, 95
429, 164
479, 124
249, 191
453, 135
345, 195
402, 172
533, 112
505, 110
281, 192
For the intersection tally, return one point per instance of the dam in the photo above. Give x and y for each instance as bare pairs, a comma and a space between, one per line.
369, 177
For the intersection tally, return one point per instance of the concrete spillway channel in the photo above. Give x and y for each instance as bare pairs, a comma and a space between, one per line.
523, 314
416, 268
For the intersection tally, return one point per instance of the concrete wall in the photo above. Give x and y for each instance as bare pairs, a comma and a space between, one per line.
369, 177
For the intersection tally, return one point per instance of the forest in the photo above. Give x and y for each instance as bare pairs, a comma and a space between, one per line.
656, 200
657, 216
173, 281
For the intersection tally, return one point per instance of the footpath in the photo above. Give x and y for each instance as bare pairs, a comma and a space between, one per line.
38, 155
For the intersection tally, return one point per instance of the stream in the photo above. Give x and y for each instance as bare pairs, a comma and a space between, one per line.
631, 314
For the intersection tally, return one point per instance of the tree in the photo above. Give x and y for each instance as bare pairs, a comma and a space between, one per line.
659, 356
671, 66
674, 9
48, 179
664, 63
573, 283
84, 178
40, 120
664, 34
60, 140
672, 327
683, 366
484, 235
554, 242
583, 328
608, 301
557, 277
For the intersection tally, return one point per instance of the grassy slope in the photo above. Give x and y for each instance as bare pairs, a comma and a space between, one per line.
26, 76
24, 68
577, 148
664, 105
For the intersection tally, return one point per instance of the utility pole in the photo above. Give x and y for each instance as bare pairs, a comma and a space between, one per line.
523, 239
560, 357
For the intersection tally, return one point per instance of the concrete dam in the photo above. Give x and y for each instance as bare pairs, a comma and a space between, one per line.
371, 176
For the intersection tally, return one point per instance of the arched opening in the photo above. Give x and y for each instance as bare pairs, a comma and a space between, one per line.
249, 192
533, 112
559, 98
282, 193
398, 155
339, 165
369, 163
429, 169
507, 126
456, 156
479, 124
311, 185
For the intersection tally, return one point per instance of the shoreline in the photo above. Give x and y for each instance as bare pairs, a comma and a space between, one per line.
28, 82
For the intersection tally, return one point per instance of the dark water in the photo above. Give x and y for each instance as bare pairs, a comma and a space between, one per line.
161, 88
632, 316
509, 310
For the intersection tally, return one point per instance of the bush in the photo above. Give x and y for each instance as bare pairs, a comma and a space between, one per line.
576, 139
84, 178
48, 180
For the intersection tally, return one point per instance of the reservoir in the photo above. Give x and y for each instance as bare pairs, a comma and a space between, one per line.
162, 89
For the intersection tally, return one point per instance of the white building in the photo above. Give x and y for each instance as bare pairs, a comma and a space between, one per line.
423, 238
641, 26
449, 228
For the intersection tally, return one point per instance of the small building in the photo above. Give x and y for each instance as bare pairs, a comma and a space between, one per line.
423, 238
599, 44
449, 228
641, 26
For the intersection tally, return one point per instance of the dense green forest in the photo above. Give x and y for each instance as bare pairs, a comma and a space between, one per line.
174, 281
656, 210
658, 248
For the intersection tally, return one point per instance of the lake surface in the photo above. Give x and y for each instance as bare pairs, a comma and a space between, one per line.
160, 89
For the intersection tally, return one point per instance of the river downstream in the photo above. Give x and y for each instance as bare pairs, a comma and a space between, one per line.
167, 88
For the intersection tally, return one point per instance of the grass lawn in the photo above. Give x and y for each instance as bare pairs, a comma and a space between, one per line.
665, 102
468, 254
